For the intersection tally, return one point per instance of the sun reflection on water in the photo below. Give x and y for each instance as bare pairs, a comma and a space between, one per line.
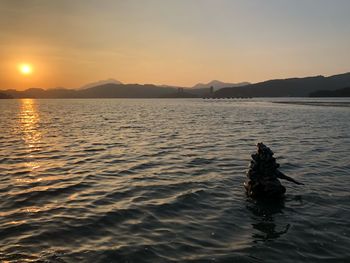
29, 127
29, 121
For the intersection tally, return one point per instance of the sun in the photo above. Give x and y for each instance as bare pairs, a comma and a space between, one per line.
25, 69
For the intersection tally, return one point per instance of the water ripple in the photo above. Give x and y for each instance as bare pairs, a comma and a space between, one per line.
161, 181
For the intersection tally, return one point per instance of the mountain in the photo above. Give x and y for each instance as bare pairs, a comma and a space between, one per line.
109, 90
203, 90
101, 82
292, 87
5, 96
345, 92
216, 84
125, 91
41, 93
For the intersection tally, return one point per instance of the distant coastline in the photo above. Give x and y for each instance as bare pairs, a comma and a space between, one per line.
316, 86
345, 92
5, 96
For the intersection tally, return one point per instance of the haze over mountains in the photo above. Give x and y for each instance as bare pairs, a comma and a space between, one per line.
291, 87
202, 89
216, 84
101, 82
112, 88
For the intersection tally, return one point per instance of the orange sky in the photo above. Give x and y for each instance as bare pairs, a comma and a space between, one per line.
72, 43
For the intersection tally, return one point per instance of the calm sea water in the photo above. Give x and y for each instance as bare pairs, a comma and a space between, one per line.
161, 181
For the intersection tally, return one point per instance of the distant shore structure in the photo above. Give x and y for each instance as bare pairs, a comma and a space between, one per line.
231, 98
211, 95
180, 90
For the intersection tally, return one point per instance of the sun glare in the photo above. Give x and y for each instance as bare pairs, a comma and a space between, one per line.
25, 69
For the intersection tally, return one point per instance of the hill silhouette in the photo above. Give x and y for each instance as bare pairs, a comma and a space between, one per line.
101, 82
5, 96
216, 84
110, 90
292, 87
125, 91
202, 89
345, 92
41, 93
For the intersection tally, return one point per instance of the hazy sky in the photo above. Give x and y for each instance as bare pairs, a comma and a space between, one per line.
176, 42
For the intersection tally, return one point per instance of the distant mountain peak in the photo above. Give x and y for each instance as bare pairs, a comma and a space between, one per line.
215, 81
217, 84
100, 83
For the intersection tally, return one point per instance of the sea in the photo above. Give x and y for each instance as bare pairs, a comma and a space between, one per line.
161, 180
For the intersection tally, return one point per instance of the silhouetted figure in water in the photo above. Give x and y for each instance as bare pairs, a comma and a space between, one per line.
263, 175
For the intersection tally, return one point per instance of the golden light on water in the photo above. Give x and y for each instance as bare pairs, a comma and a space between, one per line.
25, 69
29, 121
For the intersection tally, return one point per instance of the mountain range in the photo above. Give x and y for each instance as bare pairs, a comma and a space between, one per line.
291, 87
203, 89
216, 84
109, 90
115, 89
101, 82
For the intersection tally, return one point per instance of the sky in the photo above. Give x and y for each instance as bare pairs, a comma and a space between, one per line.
174, 42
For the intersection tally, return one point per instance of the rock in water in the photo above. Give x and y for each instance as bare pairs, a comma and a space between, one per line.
263, 175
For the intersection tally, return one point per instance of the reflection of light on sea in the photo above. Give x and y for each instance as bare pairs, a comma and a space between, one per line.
29, 119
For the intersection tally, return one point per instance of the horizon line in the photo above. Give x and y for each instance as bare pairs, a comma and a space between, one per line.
172, 86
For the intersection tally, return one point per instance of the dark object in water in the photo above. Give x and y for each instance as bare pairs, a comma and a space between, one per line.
263, 175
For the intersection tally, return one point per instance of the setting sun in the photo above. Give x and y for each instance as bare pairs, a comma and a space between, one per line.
25, 69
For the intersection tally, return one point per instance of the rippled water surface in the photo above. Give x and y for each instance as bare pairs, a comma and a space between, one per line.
161, 181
